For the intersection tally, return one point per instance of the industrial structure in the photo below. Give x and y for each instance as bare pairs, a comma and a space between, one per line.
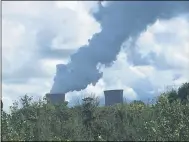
113, 97
56, 98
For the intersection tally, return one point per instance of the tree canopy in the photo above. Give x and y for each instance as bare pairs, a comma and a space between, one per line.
165, 120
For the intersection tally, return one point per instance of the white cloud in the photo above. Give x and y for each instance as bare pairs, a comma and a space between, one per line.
75, 34
34, 87
164, 38
18, 45
29, 29
168, 38
49, 65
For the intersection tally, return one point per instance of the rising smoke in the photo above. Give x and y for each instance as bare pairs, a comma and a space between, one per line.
119, 21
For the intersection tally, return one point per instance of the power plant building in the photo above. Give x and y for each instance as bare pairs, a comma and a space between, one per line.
113, 97
56, 98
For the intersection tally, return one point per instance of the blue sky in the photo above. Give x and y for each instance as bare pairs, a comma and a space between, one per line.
38, 35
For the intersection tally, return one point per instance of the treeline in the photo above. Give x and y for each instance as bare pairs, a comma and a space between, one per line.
167, 119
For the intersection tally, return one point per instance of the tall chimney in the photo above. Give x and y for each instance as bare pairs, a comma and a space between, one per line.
113, 97
56, 98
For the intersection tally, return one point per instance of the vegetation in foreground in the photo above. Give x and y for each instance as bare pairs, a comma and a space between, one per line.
165, 120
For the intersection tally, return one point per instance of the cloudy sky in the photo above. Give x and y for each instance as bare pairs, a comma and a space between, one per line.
36, 36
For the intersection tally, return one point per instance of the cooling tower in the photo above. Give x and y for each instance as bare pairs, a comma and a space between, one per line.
113, 97
56, 98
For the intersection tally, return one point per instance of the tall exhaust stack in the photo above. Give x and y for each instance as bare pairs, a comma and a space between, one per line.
56, 98
113, 97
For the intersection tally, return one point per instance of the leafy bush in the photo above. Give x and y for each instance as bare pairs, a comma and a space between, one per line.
165, 120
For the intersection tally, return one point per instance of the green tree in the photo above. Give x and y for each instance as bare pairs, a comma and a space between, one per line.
172, 95
183, 92
165, 120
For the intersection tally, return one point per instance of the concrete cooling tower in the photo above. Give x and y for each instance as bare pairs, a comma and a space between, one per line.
113, 97
56, 98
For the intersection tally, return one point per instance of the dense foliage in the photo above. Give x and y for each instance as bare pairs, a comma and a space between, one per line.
166, 119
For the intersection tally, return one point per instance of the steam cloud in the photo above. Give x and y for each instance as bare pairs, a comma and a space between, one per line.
119, 21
